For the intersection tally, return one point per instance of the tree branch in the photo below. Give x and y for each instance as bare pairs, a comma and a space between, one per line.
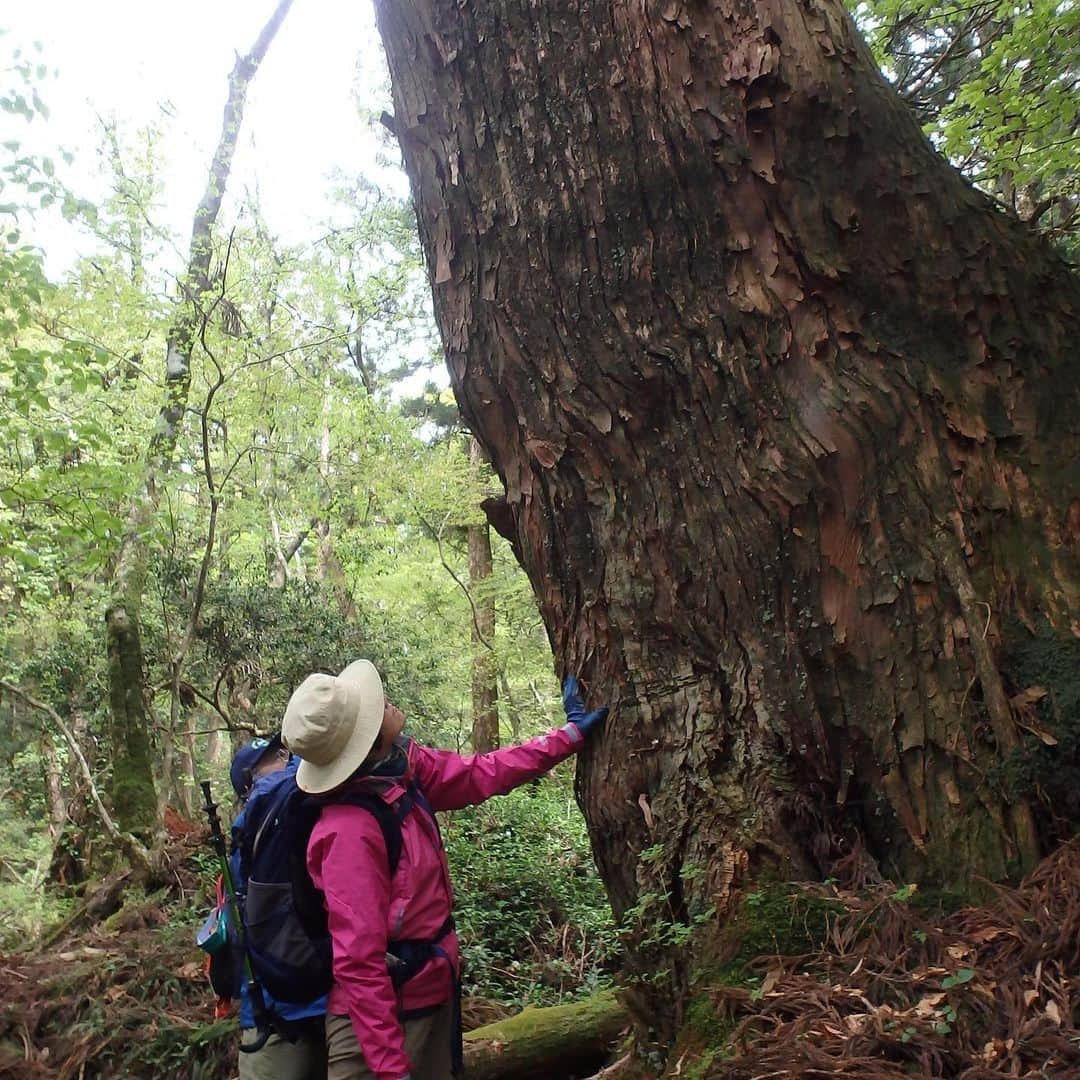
196, 280
132, 848
436, 535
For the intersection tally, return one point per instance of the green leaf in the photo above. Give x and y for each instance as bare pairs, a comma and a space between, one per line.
964, 975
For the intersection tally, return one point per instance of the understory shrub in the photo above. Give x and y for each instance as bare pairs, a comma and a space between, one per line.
534, 923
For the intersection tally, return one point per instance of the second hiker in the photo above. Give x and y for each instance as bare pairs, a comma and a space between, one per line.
393, 1011
259, 772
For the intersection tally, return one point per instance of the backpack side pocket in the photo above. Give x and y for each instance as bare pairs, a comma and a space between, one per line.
292, 965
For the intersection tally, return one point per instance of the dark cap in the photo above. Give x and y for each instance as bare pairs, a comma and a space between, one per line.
246, 760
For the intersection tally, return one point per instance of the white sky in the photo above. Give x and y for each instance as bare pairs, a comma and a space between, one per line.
151, 61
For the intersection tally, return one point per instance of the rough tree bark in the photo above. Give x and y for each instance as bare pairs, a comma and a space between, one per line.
485, 668
786, 414
132, 790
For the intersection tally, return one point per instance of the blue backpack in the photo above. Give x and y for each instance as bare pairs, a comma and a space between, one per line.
284, 917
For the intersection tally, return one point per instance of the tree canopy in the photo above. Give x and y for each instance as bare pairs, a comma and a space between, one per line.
995, 87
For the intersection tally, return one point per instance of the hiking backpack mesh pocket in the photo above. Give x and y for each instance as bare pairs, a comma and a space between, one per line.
293, 964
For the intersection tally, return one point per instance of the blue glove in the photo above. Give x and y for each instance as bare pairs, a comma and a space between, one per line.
575, 708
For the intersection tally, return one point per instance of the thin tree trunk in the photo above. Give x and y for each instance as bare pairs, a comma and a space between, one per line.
787, 417
332, 572
217, 748
279, 568
278, 564
328, 566
300, 570
71, 856
186, 787
485, 668
55, 799
132, 793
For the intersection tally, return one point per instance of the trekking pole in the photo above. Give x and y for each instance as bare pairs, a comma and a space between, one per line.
264, 1020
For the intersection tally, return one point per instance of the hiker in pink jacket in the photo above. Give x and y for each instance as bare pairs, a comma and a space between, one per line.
394, 1009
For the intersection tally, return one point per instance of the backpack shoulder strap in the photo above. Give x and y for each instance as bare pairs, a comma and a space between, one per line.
260, 817
279, 808
301, 812
389, 816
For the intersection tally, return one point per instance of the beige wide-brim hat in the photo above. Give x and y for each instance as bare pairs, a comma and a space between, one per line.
331, 723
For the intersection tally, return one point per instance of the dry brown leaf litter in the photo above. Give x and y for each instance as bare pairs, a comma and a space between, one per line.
983, 994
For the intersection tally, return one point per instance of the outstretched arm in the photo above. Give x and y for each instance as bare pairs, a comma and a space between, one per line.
451, 781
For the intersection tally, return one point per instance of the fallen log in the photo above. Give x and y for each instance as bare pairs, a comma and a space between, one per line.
565, 1041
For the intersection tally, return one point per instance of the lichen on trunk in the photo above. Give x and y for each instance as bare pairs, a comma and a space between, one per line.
133, 793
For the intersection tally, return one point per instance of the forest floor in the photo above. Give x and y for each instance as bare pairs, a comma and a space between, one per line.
126, 996
129, 997
893, 991
898, 989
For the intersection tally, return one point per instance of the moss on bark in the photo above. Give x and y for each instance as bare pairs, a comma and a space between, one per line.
134, 801
565, 1040
775, 919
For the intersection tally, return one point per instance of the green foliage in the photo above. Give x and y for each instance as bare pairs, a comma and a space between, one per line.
64, 466
1043, 667
534, 923
278, 636
25, 851
962, 976
995, 86
650, 922
288, 632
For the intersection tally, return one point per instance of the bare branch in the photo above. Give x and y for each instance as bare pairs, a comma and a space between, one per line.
436, 535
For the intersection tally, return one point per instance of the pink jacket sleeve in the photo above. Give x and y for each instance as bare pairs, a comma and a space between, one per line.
451, 781
351, 856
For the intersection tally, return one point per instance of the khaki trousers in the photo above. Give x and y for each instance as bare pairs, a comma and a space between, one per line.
280, 1059
427, 1044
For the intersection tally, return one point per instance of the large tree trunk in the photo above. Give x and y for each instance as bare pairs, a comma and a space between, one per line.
786, 414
